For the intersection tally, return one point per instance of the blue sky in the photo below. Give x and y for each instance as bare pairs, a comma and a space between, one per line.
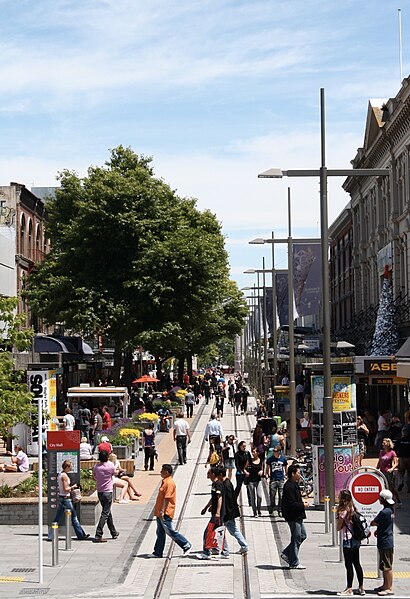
216, 91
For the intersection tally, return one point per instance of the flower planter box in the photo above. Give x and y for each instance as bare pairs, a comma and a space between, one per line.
123, 452
24, 510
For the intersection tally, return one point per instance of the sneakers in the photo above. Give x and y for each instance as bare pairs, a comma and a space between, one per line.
187, 550
116, 535
224, 556
99, 540
151, 555
284, 557
124, 501
346, 592
84, 538
361, 591
203, 556
298, 567
243, 550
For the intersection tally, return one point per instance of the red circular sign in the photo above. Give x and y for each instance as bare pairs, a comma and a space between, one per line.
366, 488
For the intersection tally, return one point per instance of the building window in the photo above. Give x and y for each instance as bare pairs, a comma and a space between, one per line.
30, 239
23, 235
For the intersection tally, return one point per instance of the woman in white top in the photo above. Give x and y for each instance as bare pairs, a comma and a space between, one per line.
228, 454
86, 452
64, 500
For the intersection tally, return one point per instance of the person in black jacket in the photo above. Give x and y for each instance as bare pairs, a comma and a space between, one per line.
293, 510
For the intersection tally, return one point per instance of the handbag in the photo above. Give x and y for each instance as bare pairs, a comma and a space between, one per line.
75, 495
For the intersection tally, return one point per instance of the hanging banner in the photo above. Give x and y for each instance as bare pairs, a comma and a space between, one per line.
307, 278
282, 294
346, 459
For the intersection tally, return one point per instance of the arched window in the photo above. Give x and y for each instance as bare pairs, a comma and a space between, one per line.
23, 235
30, 239
38, 244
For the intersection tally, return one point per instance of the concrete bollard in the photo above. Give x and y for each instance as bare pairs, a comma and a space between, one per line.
67, 514
327, 513
54, 544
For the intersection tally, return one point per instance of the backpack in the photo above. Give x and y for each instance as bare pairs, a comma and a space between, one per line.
360, 529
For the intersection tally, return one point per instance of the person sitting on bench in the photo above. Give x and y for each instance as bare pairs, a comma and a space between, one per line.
19, 461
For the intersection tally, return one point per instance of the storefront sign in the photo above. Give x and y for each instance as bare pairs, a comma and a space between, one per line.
61, 445
381, 367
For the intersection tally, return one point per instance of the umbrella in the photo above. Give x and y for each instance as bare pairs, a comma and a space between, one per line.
146, 378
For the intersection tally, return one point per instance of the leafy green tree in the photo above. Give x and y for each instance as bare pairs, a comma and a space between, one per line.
15, 399
132, 261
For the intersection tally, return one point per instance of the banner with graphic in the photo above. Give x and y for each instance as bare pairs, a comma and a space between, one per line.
346, 459
307, 277
343, 393
43, 385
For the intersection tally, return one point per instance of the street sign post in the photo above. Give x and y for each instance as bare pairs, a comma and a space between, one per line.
365, 487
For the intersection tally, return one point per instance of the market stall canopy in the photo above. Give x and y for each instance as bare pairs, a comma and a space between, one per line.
146, 378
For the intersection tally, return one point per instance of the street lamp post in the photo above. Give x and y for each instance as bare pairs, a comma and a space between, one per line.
323, 173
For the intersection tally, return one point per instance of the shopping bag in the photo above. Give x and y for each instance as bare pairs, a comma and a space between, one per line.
215, 536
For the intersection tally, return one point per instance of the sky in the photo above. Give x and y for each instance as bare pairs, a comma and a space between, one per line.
216, 91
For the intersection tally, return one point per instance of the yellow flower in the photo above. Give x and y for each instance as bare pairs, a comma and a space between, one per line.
129, 432
146, 416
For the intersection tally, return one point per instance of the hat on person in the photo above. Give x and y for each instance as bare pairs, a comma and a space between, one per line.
387, 496
104, 439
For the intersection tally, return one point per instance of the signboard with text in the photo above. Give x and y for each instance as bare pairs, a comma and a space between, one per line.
346, 459
43, 385
61, 446
343, 391
365, 488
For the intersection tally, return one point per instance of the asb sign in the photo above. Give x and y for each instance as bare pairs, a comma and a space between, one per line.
365, 488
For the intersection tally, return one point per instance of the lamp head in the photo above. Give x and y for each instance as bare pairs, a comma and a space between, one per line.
257, 241
272, 173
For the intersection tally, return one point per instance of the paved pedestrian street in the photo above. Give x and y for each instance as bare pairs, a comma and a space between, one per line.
123, 568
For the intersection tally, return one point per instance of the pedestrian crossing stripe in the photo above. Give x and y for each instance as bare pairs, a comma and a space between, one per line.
395, 574
12, 578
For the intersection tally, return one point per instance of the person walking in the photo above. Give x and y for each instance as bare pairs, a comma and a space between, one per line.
182, 436
228, 455
216, 506
97, 427
148, 443
214, 432
231, 512
256, 472
84, 417
387, 464
65, 503
402, 449
164, 512
68, 420
244, 400
242, 460
103, 473
385, 542
276, 466
219, 402
238, 400
189, 403
351, 547
293, 510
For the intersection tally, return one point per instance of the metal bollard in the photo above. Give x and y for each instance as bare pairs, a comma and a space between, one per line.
67, 514
327, 513
54, 544
334, 531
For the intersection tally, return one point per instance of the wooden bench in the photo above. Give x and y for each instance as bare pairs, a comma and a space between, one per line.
127, 465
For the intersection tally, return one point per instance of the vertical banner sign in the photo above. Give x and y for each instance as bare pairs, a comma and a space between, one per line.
61, 445
346, 459
307, 278
43, 385
38, 386
282, 292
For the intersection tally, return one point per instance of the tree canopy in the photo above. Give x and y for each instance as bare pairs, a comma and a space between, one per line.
133, 261
15, 400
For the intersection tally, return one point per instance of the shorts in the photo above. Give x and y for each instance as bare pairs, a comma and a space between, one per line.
229, 463
386, 559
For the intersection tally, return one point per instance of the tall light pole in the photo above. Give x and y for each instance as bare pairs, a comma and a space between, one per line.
323, 173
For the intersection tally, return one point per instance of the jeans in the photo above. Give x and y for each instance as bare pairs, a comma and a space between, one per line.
106, 516
276, 485
181, 447
65, 503
96, 439
189, 410
255, 496
297, 536
233, 530
166, 527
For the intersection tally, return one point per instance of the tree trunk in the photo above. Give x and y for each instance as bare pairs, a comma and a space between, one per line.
117, 365
181, 362
127, 378
158, 366
189, 366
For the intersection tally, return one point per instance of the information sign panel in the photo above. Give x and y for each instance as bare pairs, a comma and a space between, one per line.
61, 445
365, 488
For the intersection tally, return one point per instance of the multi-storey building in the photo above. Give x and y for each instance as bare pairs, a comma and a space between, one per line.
22, 240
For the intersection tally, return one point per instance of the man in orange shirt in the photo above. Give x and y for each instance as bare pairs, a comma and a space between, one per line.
164, 512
